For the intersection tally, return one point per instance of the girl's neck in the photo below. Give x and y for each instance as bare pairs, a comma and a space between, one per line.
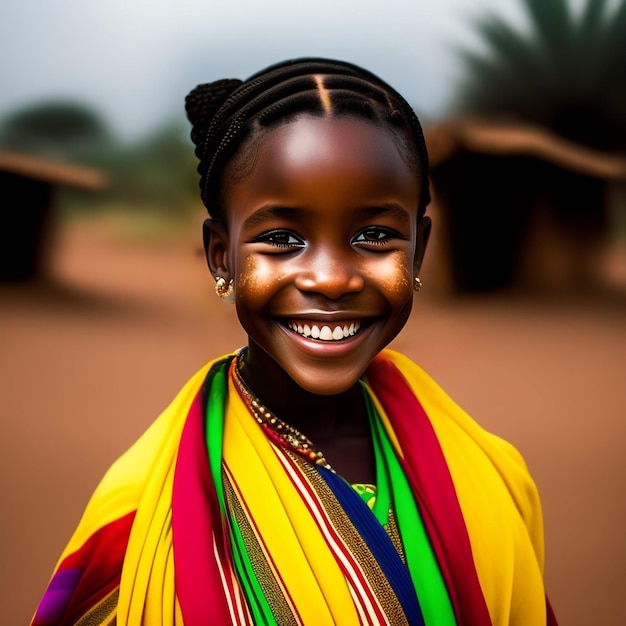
313, 414
336, 424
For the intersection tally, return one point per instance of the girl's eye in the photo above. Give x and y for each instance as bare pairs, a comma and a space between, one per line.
281, 239
374, 236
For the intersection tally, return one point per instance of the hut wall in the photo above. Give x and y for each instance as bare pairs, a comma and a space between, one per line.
26, 225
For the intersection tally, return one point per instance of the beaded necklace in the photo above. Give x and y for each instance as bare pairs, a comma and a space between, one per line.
277, 430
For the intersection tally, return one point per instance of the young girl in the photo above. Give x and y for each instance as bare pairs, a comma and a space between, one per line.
313, 477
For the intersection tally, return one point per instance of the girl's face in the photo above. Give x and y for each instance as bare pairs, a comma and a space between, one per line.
323, 243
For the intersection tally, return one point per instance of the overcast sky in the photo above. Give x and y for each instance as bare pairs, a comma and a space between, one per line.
135, 60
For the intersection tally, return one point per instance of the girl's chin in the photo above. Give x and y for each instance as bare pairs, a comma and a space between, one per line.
325, 380
317, 367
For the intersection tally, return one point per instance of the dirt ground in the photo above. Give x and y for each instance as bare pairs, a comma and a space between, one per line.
91, 357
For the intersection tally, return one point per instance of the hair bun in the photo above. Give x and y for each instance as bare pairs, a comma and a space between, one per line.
202, 103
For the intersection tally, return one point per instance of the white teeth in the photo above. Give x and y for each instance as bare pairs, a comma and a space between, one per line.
325, 333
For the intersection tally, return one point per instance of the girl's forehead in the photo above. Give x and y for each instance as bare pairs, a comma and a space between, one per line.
308, 140
329, 124
330, 163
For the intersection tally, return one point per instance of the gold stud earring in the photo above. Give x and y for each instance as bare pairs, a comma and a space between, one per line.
223, 290
417, 283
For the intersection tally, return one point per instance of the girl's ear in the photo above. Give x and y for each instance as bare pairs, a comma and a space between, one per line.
215, 240
422, 236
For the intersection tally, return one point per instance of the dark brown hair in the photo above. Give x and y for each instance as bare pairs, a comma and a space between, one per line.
225, 113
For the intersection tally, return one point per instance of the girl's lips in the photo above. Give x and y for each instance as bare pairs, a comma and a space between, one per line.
336, 331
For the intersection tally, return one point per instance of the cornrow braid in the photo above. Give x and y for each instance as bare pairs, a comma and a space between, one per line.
202, 103
226, 112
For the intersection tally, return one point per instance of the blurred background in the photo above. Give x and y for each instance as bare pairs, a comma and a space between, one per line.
106, 307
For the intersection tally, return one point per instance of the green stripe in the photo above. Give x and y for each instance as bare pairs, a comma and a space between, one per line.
423, 568
383, 488
257, 603
216, 392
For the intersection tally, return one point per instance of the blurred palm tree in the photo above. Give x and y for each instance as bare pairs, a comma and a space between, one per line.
567, 73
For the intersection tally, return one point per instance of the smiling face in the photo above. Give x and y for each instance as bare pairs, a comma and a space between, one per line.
322, 242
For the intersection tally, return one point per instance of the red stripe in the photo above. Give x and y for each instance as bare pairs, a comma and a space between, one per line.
428, 474
234, 597
100, 558
195, 517
551, 617
266, 550
354, 573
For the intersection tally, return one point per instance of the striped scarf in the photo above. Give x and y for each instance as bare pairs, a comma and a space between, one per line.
204, 520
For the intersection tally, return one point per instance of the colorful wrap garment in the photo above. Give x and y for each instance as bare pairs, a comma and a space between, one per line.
206, 520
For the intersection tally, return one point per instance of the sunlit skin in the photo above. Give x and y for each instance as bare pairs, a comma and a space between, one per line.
321, 235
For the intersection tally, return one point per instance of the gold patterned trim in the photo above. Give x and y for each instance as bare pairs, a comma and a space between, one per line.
102, 614
391, 527
279, 603
353, 539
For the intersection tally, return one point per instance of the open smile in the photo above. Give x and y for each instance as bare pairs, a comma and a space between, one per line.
325, 332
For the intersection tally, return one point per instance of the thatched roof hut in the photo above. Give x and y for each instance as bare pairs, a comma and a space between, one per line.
27, 187
519, 204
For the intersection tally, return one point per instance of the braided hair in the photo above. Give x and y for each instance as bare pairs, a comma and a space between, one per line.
226, 113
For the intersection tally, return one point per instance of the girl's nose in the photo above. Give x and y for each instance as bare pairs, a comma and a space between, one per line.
330, 274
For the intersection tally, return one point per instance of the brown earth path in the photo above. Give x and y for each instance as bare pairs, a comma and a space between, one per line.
89, 360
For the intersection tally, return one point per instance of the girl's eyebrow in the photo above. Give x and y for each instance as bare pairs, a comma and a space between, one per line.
268, 213
388, 209
272, 212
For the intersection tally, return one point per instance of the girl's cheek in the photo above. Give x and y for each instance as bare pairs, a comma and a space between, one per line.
256, 275
394, 274
246, 276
